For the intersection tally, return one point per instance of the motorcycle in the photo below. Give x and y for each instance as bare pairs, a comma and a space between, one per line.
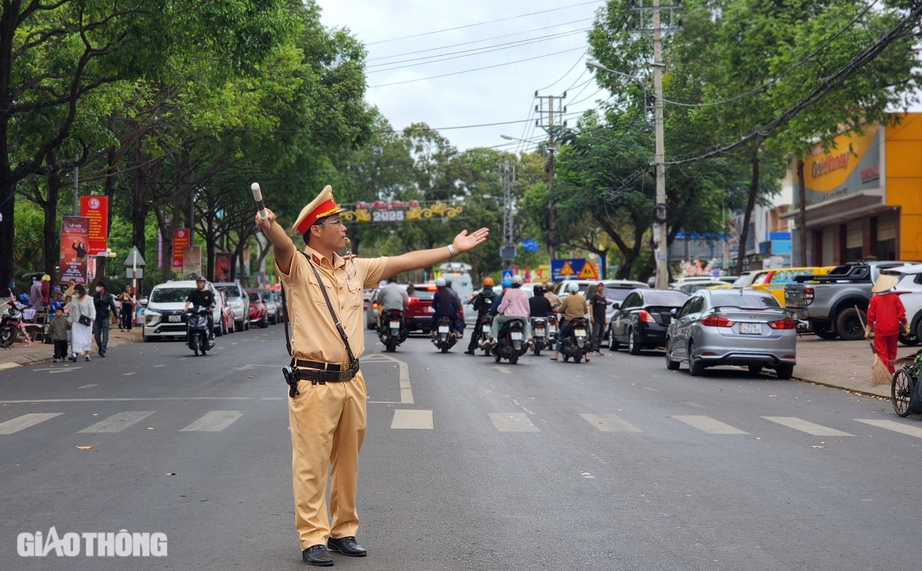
13, 328
445, 336
510, 343
197, 334
540, 329
392, 331
485, 324
576, 343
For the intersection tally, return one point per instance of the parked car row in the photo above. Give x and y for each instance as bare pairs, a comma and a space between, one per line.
235, 309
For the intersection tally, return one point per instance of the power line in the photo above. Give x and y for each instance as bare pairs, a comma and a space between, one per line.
578, 60
474, 69
478, 41
470, 52
481, 23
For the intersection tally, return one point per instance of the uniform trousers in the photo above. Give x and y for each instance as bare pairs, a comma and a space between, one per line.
327, 423
885, 346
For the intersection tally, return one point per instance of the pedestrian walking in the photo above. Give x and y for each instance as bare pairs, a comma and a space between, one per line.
597, 305
126, 313
59, 335
104, 303
69, 292
886, 319
82, 316
326, 411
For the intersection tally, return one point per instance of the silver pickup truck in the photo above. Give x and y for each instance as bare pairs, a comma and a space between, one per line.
828, 303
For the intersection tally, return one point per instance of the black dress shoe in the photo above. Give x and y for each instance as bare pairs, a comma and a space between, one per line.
317, 555
346, 546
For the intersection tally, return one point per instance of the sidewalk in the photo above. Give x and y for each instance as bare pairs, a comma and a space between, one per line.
21, 354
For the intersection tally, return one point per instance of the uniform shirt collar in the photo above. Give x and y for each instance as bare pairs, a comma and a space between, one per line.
318, 259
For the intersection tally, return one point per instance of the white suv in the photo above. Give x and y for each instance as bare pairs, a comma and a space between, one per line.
163, 310
239, 301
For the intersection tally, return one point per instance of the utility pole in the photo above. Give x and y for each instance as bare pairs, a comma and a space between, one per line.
660, 210
546, 120
507, 249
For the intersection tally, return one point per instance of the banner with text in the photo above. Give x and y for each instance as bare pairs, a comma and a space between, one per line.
96, 208
181, 239
191, 260
573, 269
75, 233
222, 267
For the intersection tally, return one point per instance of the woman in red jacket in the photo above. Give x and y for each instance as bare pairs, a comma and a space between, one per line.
887, 318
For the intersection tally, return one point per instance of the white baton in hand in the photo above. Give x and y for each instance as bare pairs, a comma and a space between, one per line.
258, 196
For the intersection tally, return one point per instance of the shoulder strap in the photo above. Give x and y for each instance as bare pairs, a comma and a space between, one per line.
285, 320
339, 326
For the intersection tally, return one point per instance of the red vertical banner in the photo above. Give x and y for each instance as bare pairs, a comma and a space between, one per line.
96, 209
222, 265
75, 235
180, 240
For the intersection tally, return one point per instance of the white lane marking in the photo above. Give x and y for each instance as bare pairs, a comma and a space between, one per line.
25, 421
609, 423
894, 426
9, 365
708, 424
252, 366
412, 419
512, 422
403, 370
129, 374
651, 389
693, 404
117, 422
804, 426
54, 370
214, 421
88, 386
139, 399
160, 365
504, 370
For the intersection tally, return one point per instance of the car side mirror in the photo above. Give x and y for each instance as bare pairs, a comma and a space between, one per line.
616, 305
674, 312
143, 302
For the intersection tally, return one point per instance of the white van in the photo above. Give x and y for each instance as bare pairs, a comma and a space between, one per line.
163, 312
458, 274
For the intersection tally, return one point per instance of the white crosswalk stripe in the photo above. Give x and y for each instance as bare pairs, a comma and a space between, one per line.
708, 424
25, 421
412, 419
117, 422
609, 423
512, 422
214, 421
894, 426
805, 426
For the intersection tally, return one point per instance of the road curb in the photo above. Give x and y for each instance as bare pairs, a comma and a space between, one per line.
841, 388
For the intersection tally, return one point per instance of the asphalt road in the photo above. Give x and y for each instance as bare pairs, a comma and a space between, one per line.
615, 464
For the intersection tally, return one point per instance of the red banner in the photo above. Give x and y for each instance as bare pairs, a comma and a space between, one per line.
222, 267
75, 234
96, 208
181, 239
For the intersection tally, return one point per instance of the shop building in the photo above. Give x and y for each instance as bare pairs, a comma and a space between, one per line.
863, 196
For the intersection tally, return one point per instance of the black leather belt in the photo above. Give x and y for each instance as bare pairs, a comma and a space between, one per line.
317, 372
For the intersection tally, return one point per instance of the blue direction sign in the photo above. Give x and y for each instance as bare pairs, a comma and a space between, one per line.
573, 269
530, 245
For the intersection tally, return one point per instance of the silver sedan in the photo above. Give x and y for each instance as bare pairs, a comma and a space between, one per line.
732, 327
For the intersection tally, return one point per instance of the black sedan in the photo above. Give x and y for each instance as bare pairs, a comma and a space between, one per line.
642, 319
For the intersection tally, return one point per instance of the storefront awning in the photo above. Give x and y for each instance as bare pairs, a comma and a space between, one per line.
843, 209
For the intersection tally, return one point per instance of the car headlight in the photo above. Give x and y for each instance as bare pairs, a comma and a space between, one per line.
151, 317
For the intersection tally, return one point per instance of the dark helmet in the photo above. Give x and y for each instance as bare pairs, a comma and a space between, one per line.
539, 290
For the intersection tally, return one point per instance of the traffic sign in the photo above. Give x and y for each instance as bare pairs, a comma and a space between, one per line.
588, 272
530, 245
507, 275
567, 269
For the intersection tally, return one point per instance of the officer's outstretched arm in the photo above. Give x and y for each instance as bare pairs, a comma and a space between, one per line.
282, 247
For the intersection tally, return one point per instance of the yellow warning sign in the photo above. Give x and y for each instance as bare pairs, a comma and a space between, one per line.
567, 270
588, 272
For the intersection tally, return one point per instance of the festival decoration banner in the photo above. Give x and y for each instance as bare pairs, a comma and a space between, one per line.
397, 211
75, 234
222, 267
96, 209
192, 260
181, 239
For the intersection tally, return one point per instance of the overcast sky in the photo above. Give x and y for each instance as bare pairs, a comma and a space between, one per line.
550, 35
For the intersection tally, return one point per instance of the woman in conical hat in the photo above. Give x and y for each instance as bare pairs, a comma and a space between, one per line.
886, 318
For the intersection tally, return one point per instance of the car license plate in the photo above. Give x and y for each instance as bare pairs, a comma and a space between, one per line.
395, 324
539, 332
486, 328
443, 329
751, 328
516, 335
175, 318
429, 309
580, 332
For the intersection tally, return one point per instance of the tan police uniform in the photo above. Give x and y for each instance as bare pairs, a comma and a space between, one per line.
327, 421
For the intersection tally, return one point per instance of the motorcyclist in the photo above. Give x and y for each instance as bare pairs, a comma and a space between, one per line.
513, 306
539, 305
573, 307
499, 299
444, 303
551, 296
392, 296
482, 303
205, 298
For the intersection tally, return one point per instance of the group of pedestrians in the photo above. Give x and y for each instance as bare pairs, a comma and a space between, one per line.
88, 318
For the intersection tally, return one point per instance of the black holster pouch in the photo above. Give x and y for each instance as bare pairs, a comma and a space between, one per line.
291, 378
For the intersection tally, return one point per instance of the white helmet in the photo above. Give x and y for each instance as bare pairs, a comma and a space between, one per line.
517, 280
440, 282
